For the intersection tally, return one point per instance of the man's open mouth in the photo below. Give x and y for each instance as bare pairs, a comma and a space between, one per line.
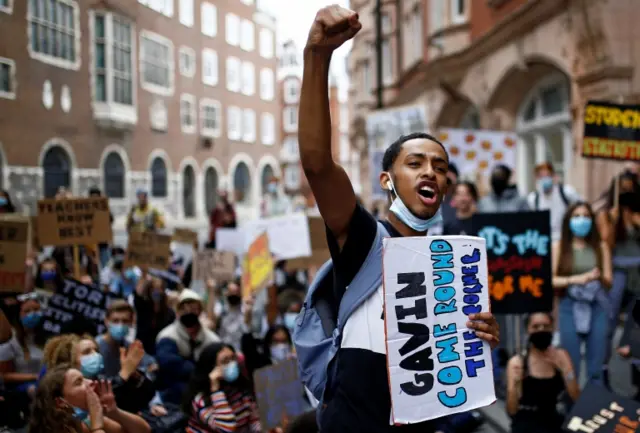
427, 192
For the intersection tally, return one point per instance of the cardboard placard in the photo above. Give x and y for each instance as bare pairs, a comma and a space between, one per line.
14, 246
258, 266
319, 247
279, 393
519, 254
599, 410
611, 131
74, 221
185, 236
219, 265
288, 235
437, 366
148, 250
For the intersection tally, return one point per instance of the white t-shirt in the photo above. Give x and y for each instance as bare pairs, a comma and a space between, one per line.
554, 203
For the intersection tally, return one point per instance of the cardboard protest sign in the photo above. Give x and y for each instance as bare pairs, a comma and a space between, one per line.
279, 393
219, 265
611, 131
14, 245
599, 410
74, 221
437, 366
147, 249
76, 300
519, 254
185, 236
319, 248
258, 266
288, 235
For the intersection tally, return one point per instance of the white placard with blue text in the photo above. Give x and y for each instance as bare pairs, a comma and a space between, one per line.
437, 366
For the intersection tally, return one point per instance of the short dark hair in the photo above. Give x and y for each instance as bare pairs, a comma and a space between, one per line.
473, 191
453, 169
392, 152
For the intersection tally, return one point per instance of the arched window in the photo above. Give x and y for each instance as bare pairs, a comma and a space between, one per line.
159, 182
242, 183
189, 191
113, 174
210, 188
267, 174
57, 171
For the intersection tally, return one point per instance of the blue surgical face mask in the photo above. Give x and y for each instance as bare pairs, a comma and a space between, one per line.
131, 275
545, 183
407, 217
3, 201
32, 320
280, 352
290, 320
231, 372
91, 365
48, 275
118, 331
580, 226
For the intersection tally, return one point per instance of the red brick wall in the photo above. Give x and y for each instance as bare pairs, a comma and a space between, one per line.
484, 17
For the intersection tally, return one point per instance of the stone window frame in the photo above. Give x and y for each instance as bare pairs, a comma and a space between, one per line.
270, 139
6, 6
191, 99
13, 85
206, 131
158, 89
210, 59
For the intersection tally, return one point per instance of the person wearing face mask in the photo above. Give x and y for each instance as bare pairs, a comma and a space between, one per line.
48, 276
582, 273
551, 195
504, 196
179, 345
219, 398
153, 312
275, 202
233, 322
537, 380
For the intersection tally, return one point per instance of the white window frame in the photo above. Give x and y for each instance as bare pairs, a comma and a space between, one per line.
12, 79
209, 132
268, 140
7, 9
189, 73
247, 70
247, 2
249, 127
210, 81
289, 85
292, 182
248, 28
187, 20
263, 94
110, 108
189, 129
166, 9
234, 112
437, 15
457, 18
150, 87
213, 32
55, 61
233, 74
286, 123
266, 53
229, 37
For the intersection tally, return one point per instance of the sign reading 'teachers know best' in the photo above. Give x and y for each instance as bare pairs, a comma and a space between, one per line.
611, 131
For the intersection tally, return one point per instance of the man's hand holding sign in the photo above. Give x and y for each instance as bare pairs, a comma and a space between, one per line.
418, 362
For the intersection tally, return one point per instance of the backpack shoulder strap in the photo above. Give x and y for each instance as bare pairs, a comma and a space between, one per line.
536, 200
563, 195
366, 281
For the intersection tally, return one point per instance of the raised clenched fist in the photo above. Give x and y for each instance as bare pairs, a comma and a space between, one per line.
332, 27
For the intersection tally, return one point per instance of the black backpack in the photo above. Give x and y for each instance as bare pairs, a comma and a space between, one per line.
564, 198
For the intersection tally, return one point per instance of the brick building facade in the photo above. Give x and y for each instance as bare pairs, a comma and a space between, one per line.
174, 96
513, 65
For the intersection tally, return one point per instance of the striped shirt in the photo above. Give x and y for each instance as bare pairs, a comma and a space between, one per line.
230, 411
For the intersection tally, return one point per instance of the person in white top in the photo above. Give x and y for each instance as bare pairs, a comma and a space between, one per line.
551, 195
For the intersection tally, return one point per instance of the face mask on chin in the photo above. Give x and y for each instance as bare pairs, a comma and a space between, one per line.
405, 215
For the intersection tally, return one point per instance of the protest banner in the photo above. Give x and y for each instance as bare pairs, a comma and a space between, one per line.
14, 246
148, 250
611, 131
279, 393
219, 265
599, 410
437, 366
74, 221
478, 151
319, 248
257, 271
231, 240
76, 301
519, 255
288, 235
185, 236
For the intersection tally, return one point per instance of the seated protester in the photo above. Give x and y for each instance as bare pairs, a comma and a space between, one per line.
124, 281
67, 402
21, 367
49, 276
289, 304
153, 312
277, 346
537, 380
219, 398
179, 346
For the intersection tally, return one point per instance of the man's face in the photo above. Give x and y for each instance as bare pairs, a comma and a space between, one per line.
120, 318
142, 199
233, 290
543, 173
419, 175
187, 307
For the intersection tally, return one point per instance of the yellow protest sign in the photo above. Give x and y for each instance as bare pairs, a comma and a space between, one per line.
258, 265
